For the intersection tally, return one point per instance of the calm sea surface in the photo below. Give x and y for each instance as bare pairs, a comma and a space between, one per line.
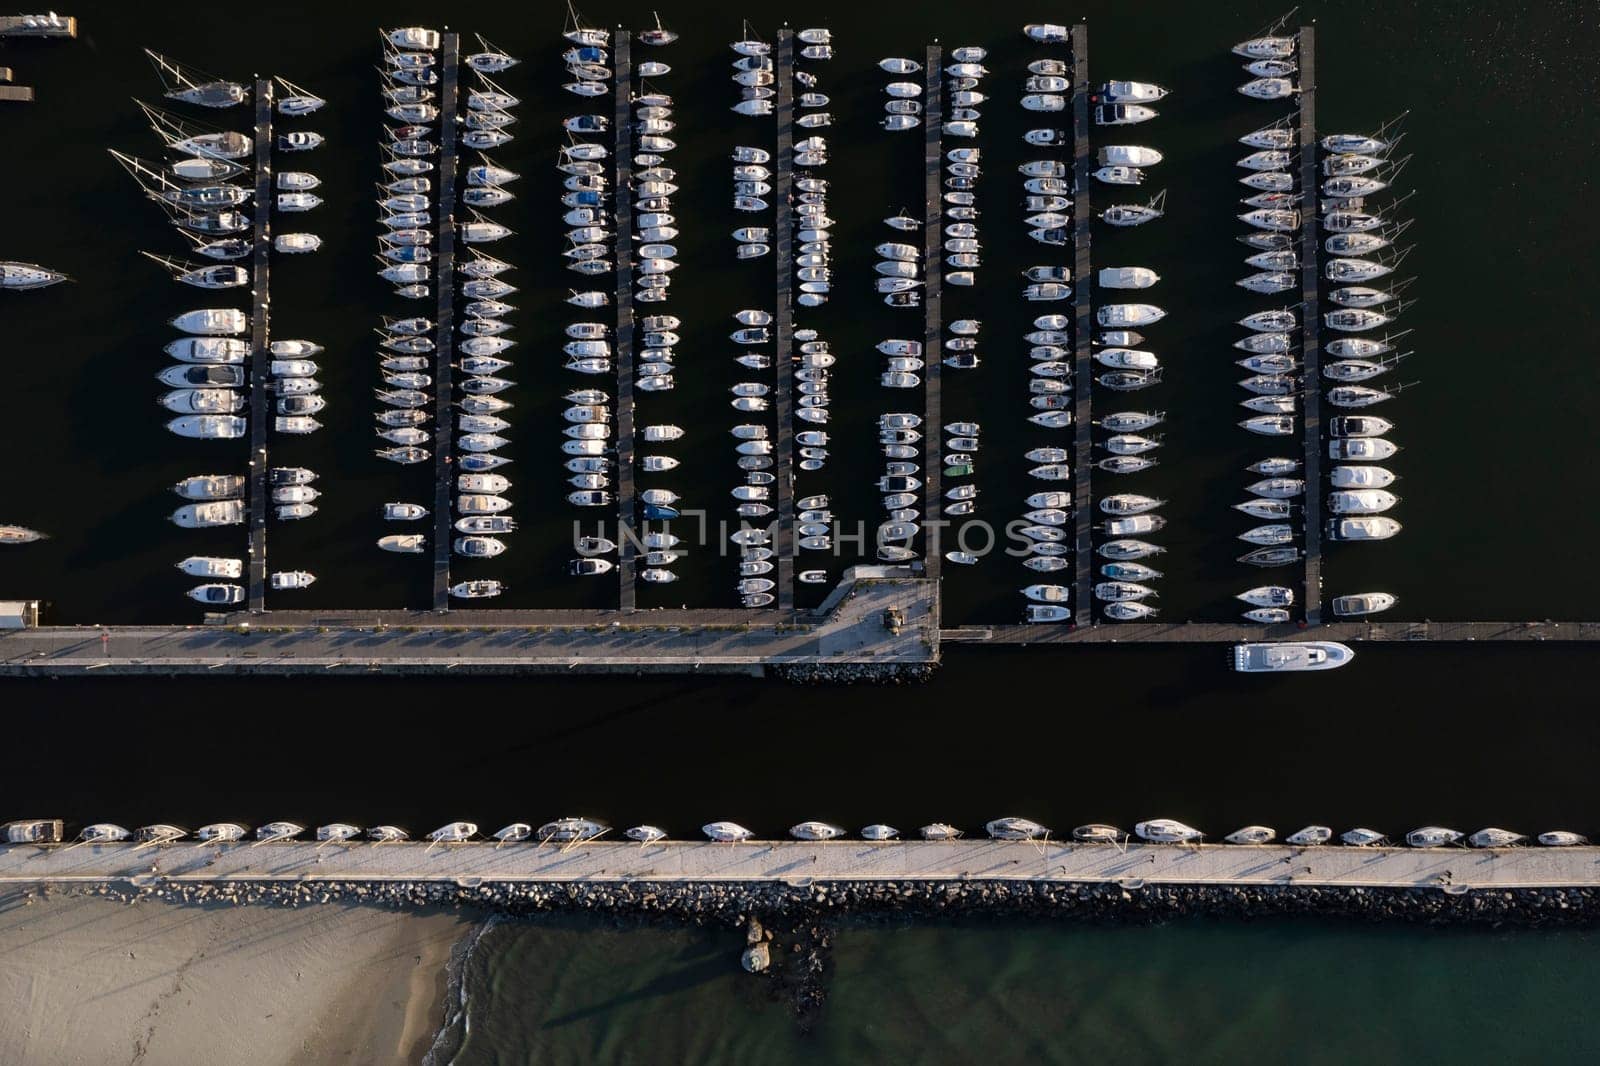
1497, 432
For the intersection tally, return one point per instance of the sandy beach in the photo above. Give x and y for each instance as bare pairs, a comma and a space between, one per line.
93, 980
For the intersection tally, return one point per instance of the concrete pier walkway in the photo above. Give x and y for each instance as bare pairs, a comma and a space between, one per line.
799, 862
851, 629
261, 406
783, 403
627, 515
1082, 332
444, 441
1310, 325
933, 312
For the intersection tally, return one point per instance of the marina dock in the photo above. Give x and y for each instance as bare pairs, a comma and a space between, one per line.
933, 314
38, 26
804, 863
1082, 331
622, 121
850, 627
783, 543
444, 441
261, 406
1311, 325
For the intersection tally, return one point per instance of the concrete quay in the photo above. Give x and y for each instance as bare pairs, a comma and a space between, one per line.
849, 629
790, 862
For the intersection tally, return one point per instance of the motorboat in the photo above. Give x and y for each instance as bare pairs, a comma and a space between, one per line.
1166, 831
1125, 316
1013, 828
1362, 838
1360, 604
211, 566
1130, 92
1432, 836
1122, 114
211, 487
1252, 834
1561, 838
1290, 657
474, 590
404, 543
284, 580
1380, 528
1361, 501
726, 832
214, 595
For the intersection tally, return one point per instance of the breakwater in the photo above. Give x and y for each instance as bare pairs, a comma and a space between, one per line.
800, 864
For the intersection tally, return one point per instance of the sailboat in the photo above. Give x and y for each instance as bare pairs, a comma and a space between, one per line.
191, 138
190, 86
22, 277
216, 276
298, 102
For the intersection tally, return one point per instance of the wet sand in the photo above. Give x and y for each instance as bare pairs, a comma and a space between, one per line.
90, 979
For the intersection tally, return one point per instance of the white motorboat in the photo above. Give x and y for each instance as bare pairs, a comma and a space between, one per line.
284, 580
476, 590
1433, 836
1561, 838
1360, 604
211, 566
1290, 657
1126, 316
1252, 834
216, 594
1362, 838
1127, 277
1045, 593
1380, 528
815, 831
1131, 92
1361, 501
1013, 828
1309, 837
726, 832
405, 543
1166, 831
1495, 838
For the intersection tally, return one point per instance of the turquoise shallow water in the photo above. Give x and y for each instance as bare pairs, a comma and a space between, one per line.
1194, 992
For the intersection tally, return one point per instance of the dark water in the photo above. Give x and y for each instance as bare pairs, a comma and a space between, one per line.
1462, 736
1190, 992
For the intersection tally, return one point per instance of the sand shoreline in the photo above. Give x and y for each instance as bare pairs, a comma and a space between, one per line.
93, 979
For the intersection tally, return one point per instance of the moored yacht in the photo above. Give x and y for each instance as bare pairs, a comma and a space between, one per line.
1166, 831
1290, 657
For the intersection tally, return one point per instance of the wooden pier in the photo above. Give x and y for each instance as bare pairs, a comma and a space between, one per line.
1082, 332
1310, 325
801, 863
933, 313
17, 26
261, 405
444, 442
622, 122
783, 541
